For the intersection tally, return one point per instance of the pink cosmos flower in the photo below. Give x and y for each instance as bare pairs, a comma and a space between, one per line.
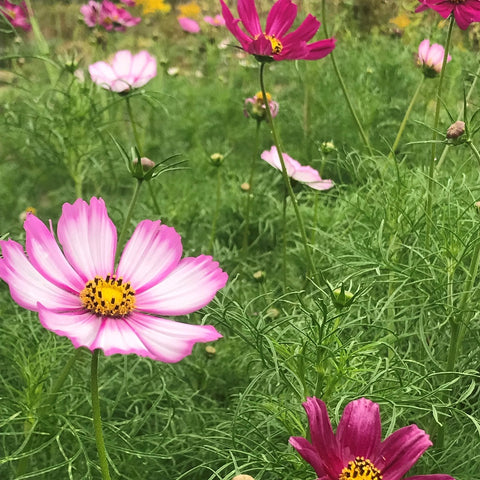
188, 24
356, 449
125, 71
16, 14
275, 42
307, 175
464, 11
430, 58
91, 13
255, 107
129, 3
216, 21
80, 294
108, 16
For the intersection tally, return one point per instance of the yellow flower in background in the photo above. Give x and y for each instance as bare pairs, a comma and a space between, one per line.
401, 21
190, 10
152, 6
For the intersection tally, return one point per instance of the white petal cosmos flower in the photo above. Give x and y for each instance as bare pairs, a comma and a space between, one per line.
304, 174
78, 293
125, 71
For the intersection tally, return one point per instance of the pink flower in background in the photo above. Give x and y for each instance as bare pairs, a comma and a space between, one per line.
356, 450
430, 58
255, 107
125, 71
188, 24
128, 3
216, 21
304, 174
108, 16
80, 294
464, 11
91, 13
275, 42
16, 14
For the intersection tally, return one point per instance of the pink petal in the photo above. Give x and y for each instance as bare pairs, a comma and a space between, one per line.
359, 431
46, 256
423, 49
188, 25
189, 287
122, 64
152, 252
399, 452
271, 156
102, 74
88, 237
305, 32
144, 68
320, 49
281, 18
248, 14
27, 285
232, 25
311, 177
167, 340
80, 327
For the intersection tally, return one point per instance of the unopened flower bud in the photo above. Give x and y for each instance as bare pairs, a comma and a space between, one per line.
146, 163
243, 477
216, 159
456, 130
245, 186
259, 276
328, 147
342, 298
255, 107
210, 351
273, 312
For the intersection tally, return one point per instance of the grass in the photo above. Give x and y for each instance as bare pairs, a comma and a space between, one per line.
215, 415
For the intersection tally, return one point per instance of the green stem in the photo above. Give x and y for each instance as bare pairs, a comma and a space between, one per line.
97, 419
344, 88
284, 239
154, 199
254, 162
134, 127
474, 150
217, 209
405, 118
431, 169
126, 223
286, 180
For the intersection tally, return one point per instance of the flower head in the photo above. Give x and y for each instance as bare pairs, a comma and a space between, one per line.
125, 71
152, 6
216, 21
190, 9
430, 58
356, 449
16, 14
255, 107
464, 11
188, 25
107, 15
274, 42
80, 293
304, 174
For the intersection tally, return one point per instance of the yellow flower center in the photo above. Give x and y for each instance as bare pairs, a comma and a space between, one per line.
108, 297
360, 469
259, 98
277, 46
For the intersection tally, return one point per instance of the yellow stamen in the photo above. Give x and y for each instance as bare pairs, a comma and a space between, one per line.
360, 469
259, 98
277, 46
108, 297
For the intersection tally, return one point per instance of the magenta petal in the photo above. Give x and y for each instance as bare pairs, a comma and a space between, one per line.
248, 14
359, 431
232, 25
320, 49
46, 256
309, 454
27, 285
189, 287
399, 452
79, 326
306, 30
167, 340
152, 252
281, 18
88, 237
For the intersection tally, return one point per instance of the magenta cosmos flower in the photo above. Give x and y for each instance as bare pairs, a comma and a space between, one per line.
107, 15
16, 14
304, 174
275, 42
80, 294
188, 24
125, 71
356, 450
430, 58
464, 11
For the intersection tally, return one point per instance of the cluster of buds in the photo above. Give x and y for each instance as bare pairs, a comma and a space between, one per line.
255, 107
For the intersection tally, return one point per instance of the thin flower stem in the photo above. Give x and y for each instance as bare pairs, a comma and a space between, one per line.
431, 169
254, 162
474, 150
286, 180
217, 209
344, 88
284, 239
65, 371
134, 126
97, 419
128, 217
405, 118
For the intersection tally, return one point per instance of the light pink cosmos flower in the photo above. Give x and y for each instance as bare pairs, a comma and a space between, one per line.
80, 294
464, 11
91, 13
125, 71
16, 14
356, 450
255, 107
304, 174
430, 58
188, 24
216, 21
275, 42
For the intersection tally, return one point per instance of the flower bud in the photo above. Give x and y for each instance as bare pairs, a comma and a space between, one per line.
456, 130
146, 163
245, 187
259, 275
243, 477
216, 159
255, 107
328, 147
342, 298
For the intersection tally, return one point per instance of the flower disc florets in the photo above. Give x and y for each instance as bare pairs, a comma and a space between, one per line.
360, 469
